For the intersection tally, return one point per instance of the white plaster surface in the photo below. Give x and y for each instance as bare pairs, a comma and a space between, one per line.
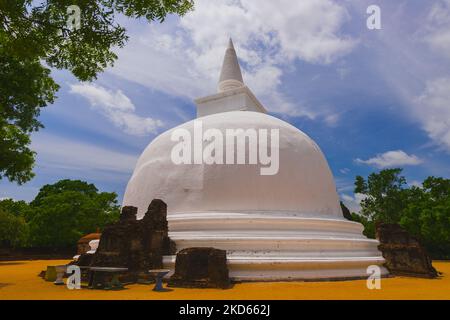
231, 75
303, 186
275, 227
285, 226
238, 99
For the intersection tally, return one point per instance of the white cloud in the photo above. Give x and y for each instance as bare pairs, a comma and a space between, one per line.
60, 153
269, 36
118, 108
420, 77
392, 159
438, 27
332, 119
415, 183
353, 203
433, 110
305, 29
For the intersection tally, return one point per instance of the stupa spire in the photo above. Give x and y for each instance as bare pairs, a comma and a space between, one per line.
231, 75
233, 94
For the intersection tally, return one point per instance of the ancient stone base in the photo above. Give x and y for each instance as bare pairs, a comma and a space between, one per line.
201, 268
403, 253
138, 245
84, 260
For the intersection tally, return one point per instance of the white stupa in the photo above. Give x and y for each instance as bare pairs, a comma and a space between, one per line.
274, 227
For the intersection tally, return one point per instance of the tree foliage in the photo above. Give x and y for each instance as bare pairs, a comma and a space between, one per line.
63, 186
427, 215
13, 230
59, 215
17, 208
385, 196
423, 211
67, 210
36, 36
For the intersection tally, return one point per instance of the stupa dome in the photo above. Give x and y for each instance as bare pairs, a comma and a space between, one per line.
278, 218
303, 186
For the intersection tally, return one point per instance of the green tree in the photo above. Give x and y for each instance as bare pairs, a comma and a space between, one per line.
17, 208
63, 186
13, 230
427, 216
385, 195
422, 211
369, 225
67, 210
35, 35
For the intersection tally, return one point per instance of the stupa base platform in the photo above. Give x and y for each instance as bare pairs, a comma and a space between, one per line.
279, 246
289, 269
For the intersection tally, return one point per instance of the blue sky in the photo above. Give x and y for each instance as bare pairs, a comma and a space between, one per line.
371, 99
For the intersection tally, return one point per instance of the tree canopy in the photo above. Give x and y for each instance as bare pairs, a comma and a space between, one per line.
17, 208
427, 215
384, 195
13, 230
67, 210
423, 211
59, 216
38, 35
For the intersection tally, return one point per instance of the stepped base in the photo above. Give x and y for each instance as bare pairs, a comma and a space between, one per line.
279, 246
289, 269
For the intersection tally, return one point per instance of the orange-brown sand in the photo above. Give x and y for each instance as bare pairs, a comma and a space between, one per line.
19, 280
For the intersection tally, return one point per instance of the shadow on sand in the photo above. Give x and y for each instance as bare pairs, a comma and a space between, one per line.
10, 263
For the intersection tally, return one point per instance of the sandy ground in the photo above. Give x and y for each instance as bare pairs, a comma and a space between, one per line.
19, 280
